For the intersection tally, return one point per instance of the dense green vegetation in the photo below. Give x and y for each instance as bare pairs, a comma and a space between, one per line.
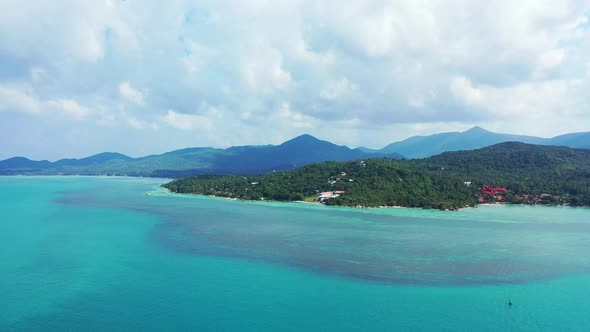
380, 182
436, 182
522, 168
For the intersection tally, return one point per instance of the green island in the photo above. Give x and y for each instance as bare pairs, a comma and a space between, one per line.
520, 174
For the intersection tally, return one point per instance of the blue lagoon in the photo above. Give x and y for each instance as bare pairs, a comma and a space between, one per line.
92, 253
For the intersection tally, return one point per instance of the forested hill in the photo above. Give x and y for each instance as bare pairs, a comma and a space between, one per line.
436, 182
523, 168
475, 138
258, 159
294, 153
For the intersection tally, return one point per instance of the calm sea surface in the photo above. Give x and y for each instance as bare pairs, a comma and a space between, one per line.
99, 254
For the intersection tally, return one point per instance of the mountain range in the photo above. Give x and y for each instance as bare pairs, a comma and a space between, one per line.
300, 151
474, 138
250, 159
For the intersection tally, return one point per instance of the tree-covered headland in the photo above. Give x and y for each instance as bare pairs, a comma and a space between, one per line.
530, 173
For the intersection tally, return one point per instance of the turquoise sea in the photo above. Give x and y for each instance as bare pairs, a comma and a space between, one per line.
99, 254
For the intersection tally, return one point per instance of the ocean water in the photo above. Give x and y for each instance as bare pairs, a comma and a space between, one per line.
99, 254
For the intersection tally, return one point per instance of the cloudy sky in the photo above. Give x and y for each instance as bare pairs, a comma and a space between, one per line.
141, 77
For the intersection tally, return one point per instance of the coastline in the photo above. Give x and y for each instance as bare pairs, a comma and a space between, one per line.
360, 207
318, 204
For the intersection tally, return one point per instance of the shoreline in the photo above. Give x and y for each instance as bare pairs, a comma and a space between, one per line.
166, 180
369, 207
360, 207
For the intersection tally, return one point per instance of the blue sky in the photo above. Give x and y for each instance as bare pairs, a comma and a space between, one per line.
142, 77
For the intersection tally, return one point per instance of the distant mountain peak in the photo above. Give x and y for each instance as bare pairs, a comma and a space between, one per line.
305, 137
18, 159
302, 139
477, 129
109, 154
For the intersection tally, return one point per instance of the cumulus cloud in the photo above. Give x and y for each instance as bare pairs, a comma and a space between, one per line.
70, 107
131, 94
338, 89
14, 99
551, 58
186, 121
293, 118
135, 123
69, 28
463, 89
262, 69
367, 73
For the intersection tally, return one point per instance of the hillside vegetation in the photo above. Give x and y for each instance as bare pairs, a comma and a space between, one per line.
436, 182
522, 168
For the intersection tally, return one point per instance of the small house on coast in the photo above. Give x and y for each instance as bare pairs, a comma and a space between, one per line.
326, 195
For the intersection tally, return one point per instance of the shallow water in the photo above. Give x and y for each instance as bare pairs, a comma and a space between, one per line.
90, 253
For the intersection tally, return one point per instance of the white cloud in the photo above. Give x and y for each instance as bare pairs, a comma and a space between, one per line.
549, 105
293, 118
196, 56
463, 89
68, 28
277, 69
14, 99
262, 69
70, 107
135, 123
339, 88
552, 58
131, 94
186, 121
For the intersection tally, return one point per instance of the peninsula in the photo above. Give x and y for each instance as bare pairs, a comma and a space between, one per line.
515, 173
